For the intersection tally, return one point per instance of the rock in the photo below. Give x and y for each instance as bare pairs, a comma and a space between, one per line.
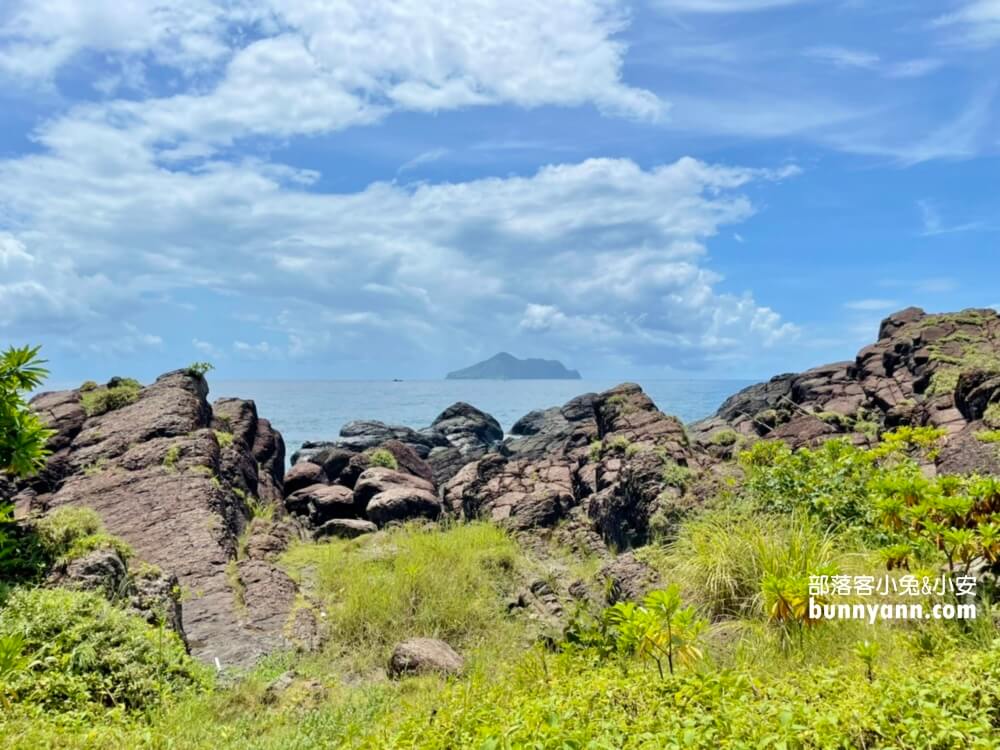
156, 596
344, 528
320, 502
445, 463
409, 461
363, 434
402, 504
101, 570
266, 539
379, 479
333, 460
467, 428
628, 579
301, 475
156, 474
424, 656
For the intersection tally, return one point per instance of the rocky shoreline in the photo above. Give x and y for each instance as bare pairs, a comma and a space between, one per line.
199, 490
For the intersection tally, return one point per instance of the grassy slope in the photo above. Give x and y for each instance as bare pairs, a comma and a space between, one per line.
935, 685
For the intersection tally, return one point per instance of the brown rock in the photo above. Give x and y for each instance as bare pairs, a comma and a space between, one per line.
402, 504
424, 656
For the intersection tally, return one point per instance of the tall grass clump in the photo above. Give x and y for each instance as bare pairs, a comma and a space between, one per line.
381, 589
721, 557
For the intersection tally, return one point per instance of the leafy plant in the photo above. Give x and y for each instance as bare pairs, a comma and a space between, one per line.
23, 437
199, 369
384, 458
866, 651
118, 393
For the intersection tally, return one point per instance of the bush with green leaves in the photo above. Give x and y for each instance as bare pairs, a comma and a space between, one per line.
384, 458
80, 652
199, 369
22, 434
118, 393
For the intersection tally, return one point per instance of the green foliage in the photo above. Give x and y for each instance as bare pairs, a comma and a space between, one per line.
120, 392
71, 532
675, 475
380, 589
724, 438
171, 457
79, 652
720, 558
659, 629
225, 439
382, 457
199, 369
22, 434
988, 436
87, 385
867, 651
596, 450
991, 417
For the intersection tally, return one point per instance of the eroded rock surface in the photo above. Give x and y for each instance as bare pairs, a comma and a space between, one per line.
175, 477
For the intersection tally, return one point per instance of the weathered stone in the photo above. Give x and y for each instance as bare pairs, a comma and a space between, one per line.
424, 656
379, 479
628, 579
402, 504
301, 475
344, 528
157, 476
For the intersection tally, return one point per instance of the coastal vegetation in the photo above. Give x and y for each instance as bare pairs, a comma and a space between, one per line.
721, 647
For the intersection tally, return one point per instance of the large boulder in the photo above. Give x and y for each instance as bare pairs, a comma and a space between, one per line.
424, 656
402, 504
161, 476
379, 479
321, 502
467, 428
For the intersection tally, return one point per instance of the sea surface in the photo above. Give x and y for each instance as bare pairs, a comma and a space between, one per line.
316, 410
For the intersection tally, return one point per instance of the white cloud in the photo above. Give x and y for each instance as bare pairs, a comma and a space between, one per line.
872, 304
602, 246
843, 57
207, 348
38, 37
975, 23
314, 68
934, 225
723, 6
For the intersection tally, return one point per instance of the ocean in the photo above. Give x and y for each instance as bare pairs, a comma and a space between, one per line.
316, 410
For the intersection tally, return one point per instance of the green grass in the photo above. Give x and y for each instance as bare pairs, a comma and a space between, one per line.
384, 458
100, 400
225, 439
380, 589
720, 558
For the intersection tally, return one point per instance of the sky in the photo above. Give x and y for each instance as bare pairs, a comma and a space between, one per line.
353, 189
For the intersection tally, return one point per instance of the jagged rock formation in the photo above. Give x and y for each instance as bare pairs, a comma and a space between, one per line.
175, 477
940, 370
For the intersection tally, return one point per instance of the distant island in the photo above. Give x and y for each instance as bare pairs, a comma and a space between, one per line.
504, 366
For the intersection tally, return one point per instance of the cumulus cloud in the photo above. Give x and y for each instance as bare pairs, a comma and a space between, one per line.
602, 250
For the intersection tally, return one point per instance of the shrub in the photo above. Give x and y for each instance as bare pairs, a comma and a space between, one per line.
383, 457
991, 417
596, 450
88, 385
720, 558
199, 369
86, 653
675, 475
62, 528
724, 438
22, 434
119, 392
988, 436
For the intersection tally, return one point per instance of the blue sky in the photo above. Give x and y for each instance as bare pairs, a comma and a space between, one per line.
364, 188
